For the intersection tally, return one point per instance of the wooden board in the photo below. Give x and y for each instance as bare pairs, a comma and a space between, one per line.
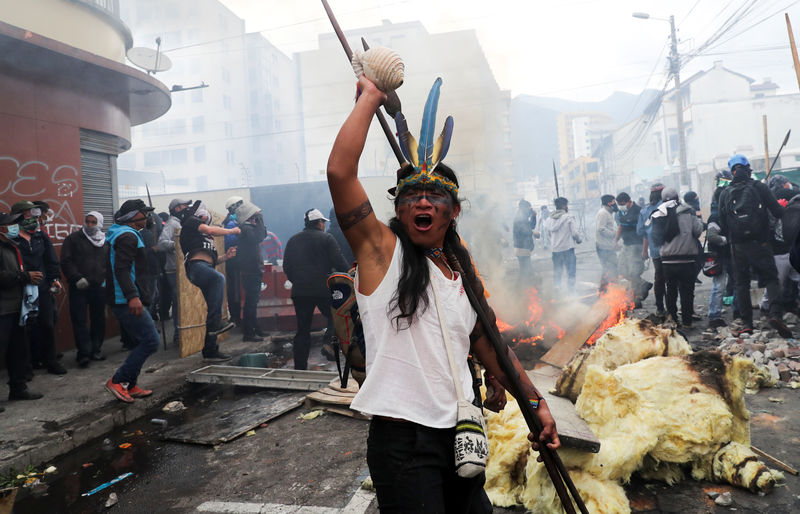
573, 431
226, 420
191, 304
270, 378
334, 398
560, 354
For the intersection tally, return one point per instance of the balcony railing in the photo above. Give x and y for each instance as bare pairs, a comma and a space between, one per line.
109, 7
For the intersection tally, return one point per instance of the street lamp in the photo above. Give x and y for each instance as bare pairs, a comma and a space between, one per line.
674, 68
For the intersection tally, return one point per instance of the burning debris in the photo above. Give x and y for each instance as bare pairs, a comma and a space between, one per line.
658, 409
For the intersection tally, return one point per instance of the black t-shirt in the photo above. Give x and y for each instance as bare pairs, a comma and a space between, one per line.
194, 241
628, 220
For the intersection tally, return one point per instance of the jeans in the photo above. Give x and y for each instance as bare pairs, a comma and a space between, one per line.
717, 291
87, 342
564, 261
234, 282
212, 283
758, 256
251, 283
659, 284
14, 345
171, 280
413, 469
143, 330
304, 312
608, 264
679, 277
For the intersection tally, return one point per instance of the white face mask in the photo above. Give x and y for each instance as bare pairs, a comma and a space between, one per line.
623, 208
13, 230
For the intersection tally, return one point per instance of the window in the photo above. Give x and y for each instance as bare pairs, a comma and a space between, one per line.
255, 122
226, 75
197, 96
198, 125
201, 182
177, 126
229, 156
152, 158
226, 102
178, 156
228, 129
199, 154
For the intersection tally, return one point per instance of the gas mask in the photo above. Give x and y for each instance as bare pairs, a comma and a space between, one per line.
29, 225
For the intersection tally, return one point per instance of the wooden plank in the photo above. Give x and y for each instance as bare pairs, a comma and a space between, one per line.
564, 349
573, 431
226, 420
191, 304
271, 378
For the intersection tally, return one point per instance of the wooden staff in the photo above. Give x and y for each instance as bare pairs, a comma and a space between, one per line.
552, 462
794, 49
381, 119
766, 143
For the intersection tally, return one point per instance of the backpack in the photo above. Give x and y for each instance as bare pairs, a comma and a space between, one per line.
745, 211
348, 328
671, 228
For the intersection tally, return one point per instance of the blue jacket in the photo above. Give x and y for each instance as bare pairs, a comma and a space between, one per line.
644, 227
126, 255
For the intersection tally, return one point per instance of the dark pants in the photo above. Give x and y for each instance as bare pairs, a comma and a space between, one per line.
413, 469
564, 261
43, 330
13, 344
156, 298
304, 312
87, 341
608, 264
234, 284
251, 282
659, 285
164, 296
758, 256
212, 283
171, 279
679, 278
525, 270
143, 330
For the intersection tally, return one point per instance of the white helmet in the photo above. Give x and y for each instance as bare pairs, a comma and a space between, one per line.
233, 202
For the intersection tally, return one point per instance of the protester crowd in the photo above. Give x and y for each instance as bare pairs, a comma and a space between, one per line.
131, 268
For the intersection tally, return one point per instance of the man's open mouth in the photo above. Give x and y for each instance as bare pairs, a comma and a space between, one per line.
423, 221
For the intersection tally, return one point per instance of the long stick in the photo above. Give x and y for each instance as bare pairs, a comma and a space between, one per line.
552, 462
794, 48
155, 232
766, 144
381, 119
555, 178
785, 140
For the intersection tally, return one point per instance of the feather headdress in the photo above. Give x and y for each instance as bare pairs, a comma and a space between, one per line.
427, 154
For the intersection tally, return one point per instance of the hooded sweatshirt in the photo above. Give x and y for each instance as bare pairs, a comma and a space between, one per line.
683, 247
563, 234
606, 228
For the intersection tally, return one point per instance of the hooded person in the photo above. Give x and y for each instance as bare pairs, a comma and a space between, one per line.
201, 260
127, 294
251, 266
83, 263
605, 230
743, 207
523, 233
403, 268
563, 236
675, 230
166, 246
15, 282
38, 254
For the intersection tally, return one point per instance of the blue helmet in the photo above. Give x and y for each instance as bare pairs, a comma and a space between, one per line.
738, 159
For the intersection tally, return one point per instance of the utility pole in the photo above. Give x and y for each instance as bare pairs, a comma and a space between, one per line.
675, 67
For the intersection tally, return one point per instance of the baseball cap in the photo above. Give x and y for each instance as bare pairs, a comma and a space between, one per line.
314, 215
176, 202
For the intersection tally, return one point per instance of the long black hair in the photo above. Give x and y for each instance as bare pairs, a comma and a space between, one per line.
412, 287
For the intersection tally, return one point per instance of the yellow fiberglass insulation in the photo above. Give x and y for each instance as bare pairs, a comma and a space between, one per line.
657, 417
630, 341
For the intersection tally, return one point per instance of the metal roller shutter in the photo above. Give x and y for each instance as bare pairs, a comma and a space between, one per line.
98, 169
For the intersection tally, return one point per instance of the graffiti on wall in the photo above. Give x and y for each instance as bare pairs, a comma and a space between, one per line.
58, 185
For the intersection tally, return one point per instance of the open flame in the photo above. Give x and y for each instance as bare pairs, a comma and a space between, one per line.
619, 301
534, 328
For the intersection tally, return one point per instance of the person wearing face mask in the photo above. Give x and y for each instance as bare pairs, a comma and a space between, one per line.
251, 266
166, 245
127, 294
644, 228
563, 236
14, 281
200, 254
83, 262
38, 254
631, 263
605, 230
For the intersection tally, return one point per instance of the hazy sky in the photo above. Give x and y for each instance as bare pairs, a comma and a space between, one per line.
577, 49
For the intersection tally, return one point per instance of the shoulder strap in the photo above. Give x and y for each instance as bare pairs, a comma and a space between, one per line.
446, 337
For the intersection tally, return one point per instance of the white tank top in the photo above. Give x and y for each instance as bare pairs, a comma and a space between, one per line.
408, 375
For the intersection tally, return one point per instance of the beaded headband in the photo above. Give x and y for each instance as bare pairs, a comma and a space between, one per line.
426, 155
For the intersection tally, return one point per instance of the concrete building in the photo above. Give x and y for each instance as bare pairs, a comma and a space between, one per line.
723, 114
67, 105
481, 149
235, 119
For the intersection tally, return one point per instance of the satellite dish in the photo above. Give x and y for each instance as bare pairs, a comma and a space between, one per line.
148, 59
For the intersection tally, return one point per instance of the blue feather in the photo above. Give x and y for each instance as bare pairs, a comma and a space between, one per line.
425, 150
443, 142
